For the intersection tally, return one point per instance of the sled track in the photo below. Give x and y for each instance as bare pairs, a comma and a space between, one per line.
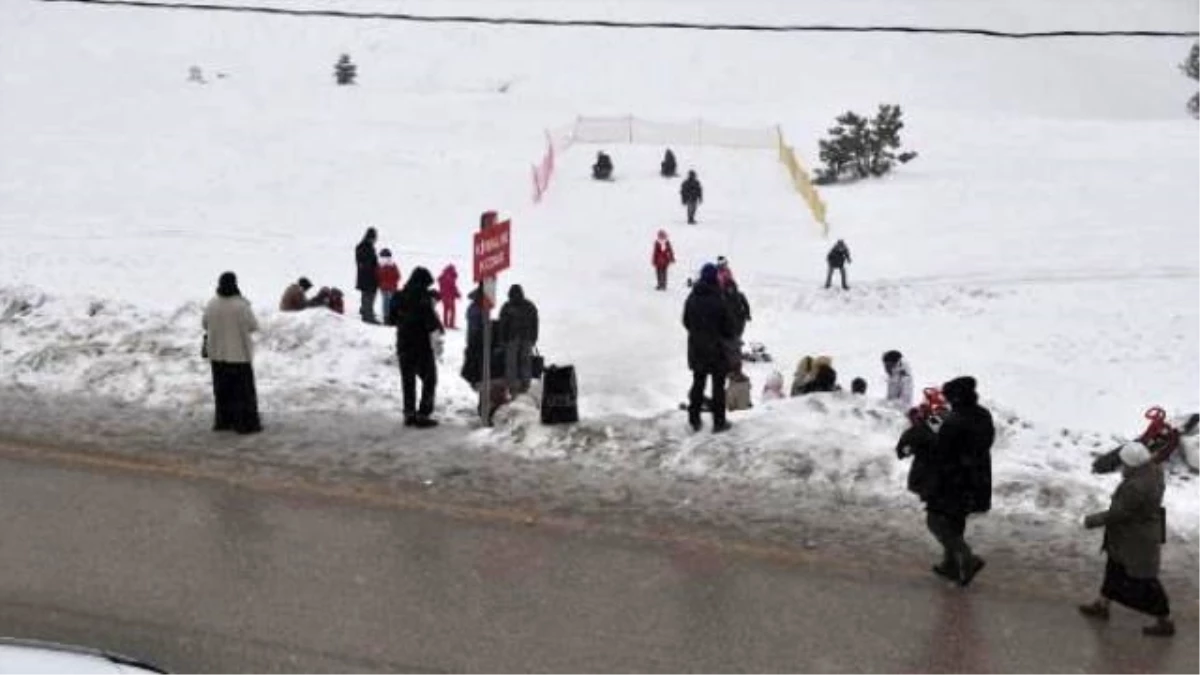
602, 23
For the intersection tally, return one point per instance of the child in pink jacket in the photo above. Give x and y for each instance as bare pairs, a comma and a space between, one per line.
448, 290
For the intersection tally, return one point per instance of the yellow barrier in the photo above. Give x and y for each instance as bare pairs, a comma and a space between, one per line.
802, 183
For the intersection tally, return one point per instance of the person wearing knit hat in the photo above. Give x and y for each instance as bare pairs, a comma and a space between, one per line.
1134, 529
710, 328
228, 322
962, 461
662, 257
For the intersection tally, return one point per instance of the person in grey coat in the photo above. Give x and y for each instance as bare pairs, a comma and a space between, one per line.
1134, 529
228, 322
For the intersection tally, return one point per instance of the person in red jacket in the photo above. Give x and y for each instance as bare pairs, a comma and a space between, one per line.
448, 290
388, 276
662, 258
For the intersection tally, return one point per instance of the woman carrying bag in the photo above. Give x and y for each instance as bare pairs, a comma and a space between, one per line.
1134, 528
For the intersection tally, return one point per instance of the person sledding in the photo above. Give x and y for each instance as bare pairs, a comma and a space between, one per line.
603, 168
668, 168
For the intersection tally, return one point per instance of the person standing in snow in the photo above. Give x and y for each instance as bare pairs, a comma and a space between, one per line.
899, 379
367, 279
228, 322
837, 259
1134, 530
519, 335
960, 480
418, 340
710, 327
692, 194
293, 299
388, 277
662, 258
448, 291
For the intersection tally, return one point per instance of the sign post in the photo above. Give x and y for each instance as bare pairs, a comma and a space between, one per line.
492, 256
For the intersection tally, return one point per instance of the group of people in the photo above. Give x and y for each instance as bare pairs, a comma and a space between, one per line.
691, 192
378, 274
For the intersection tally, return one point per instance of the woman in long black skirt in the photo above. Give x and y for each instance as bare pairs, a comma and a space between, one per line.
228, 323
1134, 530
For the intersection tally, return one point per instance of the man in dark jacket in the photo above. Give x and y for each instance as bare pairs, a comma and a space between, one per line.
692, 194
837, 258
960, 478
416, 323
367, 280
710, 326
668, 167
519, 335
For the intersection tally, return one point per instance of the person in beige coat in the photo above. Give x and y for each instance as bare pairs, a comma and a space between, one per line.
228, 322
1134, 529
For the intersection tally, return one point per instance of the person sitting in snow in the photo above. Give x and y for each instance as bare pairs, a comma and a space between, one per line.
737, 392
662, 257
668, 167
388, 276
603, 168
448, 291
691, 193
806, 370
773, 389
294, 299
824, 379
899, 379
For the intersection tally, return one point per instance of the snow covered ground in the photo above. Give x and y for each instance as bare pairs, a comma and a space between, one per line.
1045, 241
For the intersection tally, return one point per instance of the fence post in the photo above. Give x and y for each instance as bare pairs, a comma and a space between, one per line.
631, 129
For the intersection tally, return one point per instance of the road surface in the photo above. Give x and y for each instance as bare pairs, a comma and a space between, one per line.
198, 574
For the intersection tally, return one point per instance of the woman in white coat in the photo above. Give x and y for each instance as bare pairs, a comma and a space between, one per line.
228, 323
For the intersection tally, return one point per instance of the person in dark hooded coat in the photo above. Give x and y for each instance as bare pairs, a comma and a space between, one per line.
416, 323
710, 326
959, 480
691, 193
367, 279
668, 167
519, 335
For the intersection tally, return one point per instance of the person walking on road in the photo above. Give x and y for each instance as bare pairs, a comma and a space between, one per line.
710, 327
368, 274
692, 194
837, 259
1134, 529
228, 322
418, 342
960, 481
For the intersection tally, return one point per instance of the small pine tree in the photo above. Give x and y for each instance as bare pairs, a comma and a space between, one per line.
345, 71
1191, 68
860, 148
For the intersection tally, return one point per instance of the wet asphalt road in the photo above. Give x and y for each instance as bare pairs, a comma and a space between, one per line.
202, 575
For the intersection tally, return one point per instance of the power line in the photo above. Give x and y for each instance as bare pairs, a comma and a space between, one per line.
599, 23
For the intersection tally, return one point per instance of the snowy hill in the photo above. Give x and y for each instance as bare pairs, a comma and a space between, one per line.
1045, 241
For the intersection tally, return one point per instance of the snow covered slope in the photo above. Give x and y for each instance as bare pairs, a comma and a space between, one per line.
1045, 241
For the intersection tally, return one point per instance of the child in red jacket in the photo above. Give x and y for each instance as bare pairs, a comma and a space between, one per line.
448, 290
662, 258
388, 276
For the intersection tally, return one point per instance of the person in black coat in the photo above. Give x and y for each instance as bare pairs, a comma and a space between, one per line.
692, 194
710, 326
603, 168
416, 323
918, 441
837, 258
668, 167
519, 335
960, 478
367, 280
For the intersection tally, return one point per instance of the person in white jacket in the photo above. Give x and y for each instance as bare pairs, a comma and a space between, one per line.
228, 322
899, 380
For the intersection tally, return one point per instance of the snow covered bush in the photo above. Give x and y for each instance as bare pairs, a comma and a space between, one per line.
859, 147
1191, 68
345, 71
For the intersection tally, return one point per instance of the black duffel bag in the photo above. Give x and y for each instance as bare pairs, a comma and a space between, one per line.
559, 395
